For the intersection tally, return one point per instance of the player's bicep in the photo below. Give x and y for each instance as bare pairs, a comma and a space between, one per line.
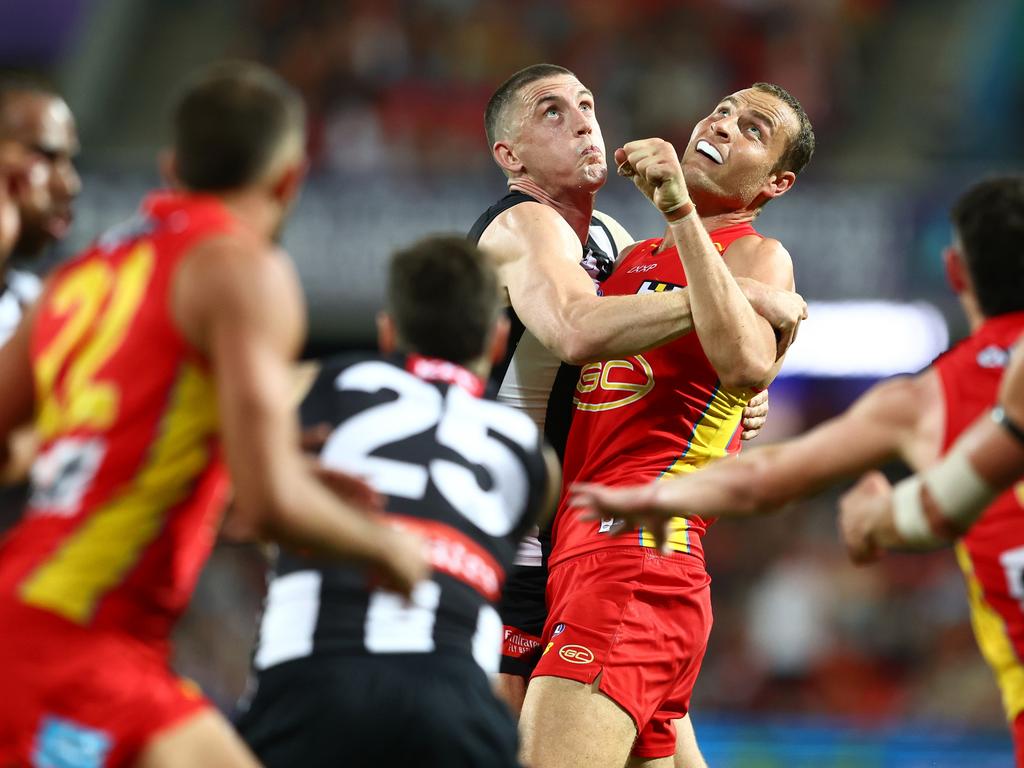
251, 335
537, 255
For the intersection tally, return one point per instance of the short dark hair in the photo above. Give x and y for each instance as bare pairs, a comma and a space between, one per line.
443, 296
801, 147
494, 115
989, 220
229, 122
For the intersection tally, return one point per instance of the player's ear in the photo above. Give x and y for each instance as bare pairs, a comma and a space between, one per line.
286, 188
779, 184
956, 269
505, 156
387, 336
167, 163
499, 340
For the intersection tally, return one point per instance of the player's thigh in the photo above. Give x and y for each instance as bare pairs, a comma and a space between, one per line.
204, 740
567, 723
687, 752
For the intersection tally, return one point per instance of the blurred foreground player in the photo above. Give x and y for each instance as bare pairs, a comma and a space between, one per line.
916, 419
172, 332
36, 123
348, 674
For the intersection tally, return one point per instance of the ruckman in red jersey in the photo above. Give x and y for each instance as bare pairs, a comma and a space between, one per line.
627, 627
167, 336
916, 419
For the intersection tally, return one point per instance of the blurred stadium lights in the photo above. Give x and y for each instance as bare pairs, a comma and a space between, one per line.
866, 339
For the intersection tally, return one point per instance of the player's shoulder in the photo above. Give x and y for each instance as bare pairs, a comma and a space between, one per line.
528, 231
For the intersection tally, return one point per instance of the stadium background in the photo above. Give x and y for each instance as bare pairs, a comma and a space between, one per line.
812, 662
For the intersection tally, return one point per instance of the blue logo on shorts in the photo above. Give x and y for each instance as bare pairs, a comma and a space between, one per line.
559, 629
64, 743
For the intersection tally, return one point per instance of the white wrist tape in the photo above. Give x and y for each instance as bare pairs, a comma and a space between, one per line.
909, 517
960, 493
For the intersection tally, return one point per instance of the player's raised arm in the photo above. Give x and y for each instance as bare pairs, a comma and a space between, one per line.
739, 343
241, 305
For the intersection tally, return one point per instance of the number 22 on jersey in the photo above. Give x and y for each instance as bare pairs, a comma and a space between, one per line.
98, 301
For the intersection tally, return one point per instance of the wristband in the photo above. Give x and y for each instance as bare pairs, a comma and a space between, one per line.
680, 212
908, 514
999, 417
959, 492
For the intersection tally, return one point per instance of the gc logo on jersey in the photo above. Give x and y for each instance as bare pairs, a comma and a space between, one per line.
576, 654
613, 384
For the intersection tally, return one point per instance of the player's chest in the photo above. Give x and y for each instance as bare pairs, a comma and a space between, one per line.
646, 270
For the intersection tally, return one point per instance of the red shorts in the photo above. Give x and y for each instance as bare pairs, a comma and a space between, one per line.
77, 697
639, 619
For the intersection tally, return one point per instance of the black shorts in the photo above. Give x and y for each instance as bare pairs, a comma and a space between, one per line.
408, 710
524, 613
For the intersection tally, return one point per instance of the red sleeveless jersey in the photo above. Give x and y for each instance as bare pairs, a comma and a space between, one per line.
129, 484
659, 413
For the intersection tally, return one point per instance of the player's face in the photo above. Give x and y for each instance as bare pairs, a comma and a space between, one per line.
556, 135
733, 150
43, 125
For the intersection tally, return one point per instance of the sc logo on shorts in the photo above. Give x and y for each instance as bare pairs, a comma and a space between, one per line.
576, 654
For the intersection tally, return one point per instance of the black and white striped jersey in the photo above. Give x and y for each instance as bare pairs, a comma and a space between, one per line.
531, 378
463, 471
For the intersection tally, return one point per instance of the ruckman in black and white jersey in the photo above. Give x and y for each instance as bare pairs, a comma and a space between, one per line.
348, 673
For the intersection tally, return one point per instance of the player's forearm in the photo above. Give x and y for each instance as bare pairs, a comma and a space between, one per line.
739, 344
758, 482
310, 518
606, 327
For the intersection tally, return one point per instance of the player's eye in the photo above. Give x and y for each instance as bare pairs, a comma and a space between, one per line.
755, 130
551, 112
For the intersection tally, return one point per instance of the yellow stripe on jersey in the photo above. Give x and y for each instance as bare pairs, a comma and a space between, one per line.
995, 645
709, 440
103, 549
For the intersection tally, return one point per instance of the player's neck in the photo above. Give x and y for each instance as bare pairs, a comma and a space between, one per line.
975, 317
255, 211
576, 208
716, 213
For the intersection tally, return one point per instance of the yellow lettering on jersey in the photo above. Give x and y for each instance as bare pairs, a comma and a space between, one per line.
102, 301
590, 378
98, 554
1018, 492
589, 381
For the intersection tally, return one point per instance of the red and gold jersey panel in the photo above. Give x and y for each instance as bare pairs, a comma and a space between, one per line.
656, 414
127, 416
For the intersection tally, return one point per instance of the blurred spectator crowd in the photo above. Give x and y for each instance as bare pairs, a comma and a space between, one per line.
402, 85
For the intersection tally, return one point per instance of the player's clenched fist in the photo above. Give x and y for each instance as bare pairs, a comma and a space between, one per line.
654, 167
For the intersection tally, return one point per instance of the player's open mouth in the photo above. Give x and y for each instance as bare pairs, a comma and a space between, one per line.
708, 150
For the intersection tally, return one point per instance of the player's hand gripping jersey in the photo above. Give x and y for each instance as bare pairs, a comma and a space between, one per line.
126, 495
660, 412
